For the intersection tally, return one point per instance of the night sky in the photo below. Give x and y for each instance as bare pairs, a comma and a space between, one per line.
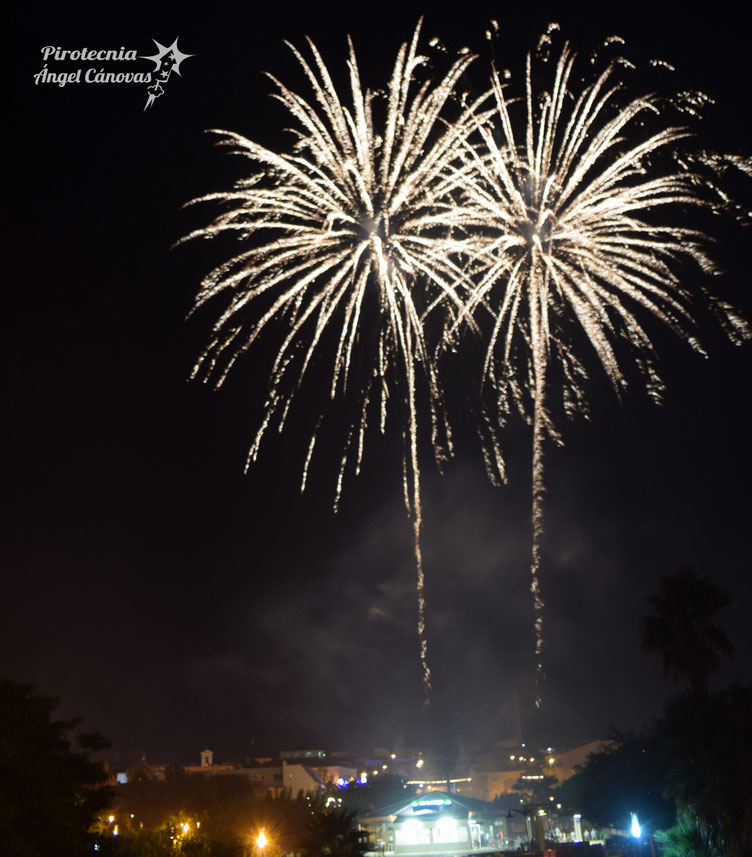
178, 604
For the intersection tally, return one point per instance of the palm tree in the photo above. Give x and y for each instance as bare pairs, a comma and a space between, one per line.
687, 838
706, 748
682, 629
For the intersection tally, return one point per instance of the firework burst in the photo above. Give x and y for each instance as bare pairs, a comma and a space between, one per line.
348, 248
579, 216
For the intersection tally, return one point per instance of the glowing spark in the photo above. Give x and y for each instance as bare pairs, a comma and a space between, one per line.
348, 246
564, 209
657, 63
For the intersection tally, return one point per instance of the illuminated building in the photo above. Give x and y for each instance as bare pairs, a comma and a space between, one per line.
436, 823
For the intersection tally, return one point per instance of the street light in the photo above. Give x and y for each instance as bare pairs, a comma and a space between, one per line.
636, 829
533, 813
261, 840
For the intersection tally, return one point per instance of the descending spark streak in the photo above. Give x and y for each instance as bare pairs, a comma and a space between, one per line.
344, 238
563, 215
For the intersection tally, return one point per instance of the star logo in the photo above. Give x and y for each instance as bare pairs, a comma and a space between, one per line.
166, 60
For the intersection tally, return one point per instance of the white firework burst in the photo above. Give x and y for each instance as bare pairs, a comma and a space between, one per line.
578, 213
348, 251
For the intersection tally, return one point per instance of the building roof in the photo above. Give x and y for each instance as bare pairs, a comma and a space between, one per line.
431, 804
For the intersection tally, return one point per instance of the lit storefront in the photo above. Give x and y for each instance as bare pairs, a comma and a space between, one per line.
437, 823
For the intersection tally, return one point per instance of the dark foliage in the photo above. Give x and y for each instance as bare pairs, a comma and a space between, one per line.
706, 743
536, 791
686, 838
682, 628
377, 793
696, 759
231, 815
626, 776
51, 790
151, 802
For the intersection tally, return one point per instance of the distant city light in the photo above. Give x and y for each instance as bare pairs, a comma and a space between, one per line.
419, 763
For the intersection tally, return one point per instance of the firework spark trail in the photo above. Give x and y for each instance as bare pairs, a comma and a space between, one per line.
562, 214
351, 231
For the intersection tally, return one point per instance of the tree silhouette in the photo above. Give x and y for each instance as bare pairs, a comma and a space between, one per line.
626, 775
682, 629
535, 791
706, 748
51, 790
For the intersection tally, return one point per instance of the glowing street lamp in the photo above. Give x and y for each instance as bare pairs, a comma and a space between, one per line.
636, 829
261, 840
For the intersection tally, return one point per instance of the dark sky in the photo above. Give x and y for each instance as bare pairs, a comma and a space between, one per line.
176, 603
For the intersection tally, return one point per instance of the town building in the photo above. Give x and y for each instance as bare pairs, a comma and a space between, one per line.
436, 823
276, 775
